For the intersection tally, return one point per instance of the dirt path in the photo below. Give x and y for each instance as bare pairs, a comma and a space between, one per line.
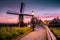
38, 34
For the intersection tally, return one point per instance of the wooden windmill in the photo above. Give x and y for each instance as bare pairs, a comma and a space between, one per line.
21, 15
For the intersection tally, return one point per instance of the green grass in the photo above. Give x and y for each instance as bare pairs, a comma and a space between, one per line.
8, 33
56, 30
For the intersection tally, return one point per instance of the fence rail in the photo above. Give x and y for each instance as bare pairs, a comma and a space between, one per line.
50, 35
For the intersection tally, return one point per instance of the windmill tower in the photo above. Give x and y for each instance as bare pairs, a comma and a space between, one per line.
21, 15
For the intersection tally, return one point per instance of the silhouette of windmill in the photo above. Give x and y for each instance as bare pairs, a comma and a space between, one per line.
21, 15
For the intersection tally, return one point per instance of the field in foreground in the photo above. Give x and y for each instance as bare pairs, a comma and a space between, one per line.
8, 33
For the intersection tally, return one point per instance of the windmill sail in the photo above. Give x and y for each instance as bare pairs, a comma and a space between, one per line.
22, 7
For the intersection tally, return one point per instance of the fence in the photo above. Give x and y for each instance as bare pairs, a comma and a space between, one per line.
50, 35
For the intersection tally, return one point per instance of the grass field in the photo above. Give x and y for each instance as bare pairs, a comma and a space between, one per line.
8, 33
56, 31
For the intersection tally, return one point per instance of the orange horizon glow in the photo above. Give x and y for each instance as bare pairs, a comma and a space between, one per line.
26, 20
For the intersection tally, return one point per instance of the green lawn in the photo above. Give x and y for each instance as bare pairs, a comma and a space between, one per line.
56, 30
8, 33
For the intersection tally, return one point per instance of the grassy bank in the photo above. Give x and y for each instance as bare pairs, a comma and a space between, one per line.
8, 33
56, 30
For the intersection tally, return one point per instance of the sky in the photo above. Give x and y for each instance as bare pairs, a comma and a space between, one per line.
45, 9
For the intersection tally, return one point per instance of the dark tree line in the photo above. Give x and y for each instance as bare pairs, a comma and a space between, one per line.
54, 23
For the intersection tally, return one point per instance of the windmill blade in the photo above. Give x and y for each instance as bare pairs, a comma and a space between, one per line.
12, 13
22, 7
27, 15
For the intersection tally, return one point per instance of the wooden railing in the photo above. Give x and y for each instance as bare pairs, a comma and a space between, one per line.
50, 35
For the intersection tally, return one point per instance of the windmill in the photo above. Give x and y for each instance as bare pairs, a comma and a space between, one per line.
21, 15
